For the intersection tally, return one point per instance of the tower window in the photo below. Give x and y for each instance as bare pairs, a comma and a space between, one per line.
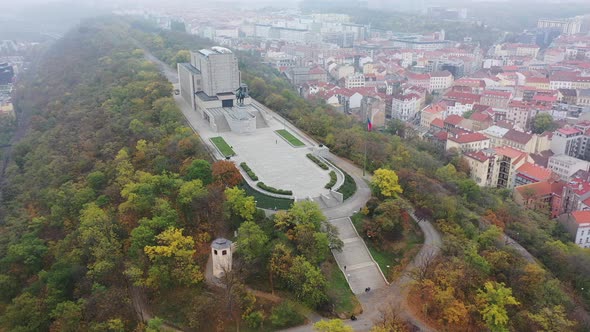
224, 252
215, 252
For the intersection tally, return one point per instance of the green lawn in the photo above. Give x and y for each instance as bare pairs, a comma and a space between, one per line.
344, 301
289, 137
408, 245
348, 188
267, 202
223, 147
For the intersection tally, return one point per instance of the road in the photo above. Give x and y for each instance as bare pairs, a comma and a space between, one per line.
394, 295
364, 268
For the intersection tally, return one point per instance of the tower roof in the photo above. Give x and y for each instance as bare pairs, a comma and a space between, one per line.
221, 243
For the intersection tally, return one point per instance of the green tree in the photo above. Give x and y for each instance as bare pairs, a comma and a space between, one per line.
385, 181
25, 313
492, 301
447, 173
543, 122
307, 281
191, 191
68, 316
98, 236
239, 204
333, 325
199, 169
251, 241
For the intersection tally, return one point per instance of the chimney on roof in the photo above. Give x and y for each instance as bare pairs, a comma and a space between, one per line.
580, 186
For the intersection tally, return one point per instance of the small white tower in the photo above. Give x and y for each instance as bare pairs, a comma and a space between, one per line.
221, 252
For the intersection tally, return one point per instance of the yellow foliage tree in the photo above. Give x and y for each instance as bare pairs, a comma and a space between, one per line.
386, 182
172, 260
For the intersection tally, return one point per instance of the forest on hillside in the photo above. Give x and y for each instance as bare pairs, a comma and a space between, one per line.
478, 282
111, 204
111, 195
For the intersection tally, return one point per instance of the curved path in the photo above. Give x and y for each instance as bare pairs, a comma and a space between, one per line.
363, 272
395, 294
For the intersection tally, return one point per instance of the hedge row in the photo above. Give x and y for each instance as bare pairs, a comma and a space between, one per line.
317, 161
333, 179
261, 185
248, 171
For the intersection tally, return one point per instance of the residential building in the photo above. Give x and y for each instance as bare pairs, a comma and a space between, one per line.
354, 81
496, 99
567, 141
544, 197
576, 195
440, 81
467, 142
405, 107
565, 166
507, 161
434, 111
301, 75
578, 225
531, 173
481, 166
496, 135
568, 26
583, 97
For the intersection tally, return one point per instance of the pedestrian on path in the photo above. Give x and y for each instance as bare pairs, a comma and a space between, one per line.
344, 267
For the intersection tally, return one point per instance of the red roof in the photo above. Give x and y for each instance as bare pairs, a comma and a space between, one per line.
316, 70
477, 155
503, 94
509, 152
568, 130
469, 138
480, 117
518, 136
543, 80
417, 77
535, 171
453, 119
438, 122
441, 135
581, 217
543, 188
463, 97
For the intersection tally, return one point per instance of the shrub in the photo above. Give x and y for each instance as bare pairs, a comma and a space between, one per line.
249, 171
317, 161
285, 315
261, 185
333, 179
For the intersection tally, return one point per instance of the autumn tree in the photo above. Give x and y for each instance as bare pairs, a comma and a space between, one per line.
172, 260
492, 301
333, 325
279, 264
552, 319
226, 173
385, 182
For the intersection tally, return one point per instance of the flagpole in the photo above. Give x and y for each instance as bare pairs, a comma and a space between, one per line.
365, 159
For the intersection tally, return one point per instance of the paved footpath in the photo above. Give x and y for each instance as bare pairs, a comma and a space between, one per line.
363, 271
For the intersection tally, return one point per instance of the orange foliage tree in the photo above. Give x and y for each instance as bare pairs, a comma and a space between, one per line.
226, 173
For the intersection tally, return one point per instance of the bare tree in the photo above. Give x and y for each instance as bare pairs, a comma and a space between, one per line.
425, 267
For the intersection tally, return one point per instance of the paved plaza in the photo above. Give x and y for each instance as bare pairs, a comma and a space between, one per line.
275, 162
